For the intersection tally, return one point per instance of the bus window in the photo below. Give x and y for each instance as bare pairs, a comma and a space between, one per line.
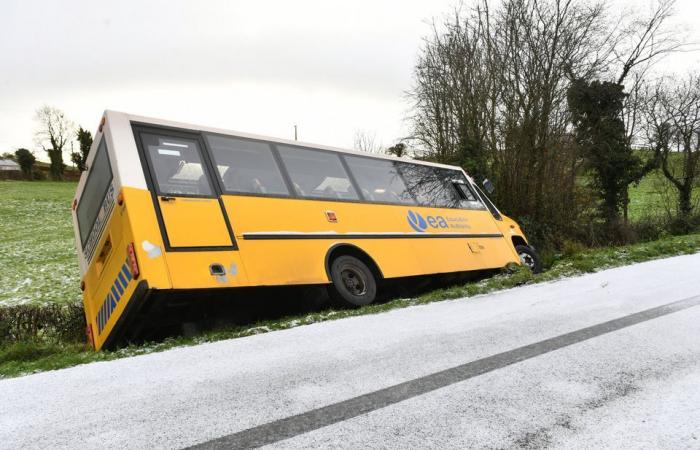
428, 186
98, 181
457, 180
379, 180
177, 165
317, 174
246, 166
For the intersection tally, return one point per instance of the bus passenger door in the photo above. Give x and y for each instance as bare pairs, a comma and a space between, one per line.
187, 196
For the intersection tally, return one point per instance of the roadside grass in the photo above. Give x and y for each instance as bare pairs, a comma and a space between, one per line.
25, 358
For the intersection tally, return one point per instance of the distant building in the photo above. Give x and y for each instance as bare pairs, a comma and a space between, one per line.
9, 165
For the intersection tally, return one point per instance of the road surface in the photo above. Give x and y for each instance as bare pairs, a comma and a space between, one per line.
606, 360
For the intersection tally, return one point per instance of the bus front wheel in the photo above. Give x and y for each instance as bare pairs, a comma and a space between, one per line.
529, 258
354, 283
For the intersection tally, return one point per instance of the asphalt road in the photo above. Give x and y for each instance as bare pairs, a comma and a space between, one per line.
607, 360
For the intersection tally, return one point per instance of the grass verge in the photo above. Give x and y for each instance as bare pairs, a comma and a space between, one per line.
28, 357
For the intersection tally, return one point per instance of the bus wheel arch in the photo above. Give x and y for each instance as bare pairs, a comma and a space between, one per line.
518, 240
354, 276
340, 249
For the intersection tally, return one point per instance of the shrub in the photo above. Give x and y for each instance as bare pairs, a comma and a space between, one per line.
38, 322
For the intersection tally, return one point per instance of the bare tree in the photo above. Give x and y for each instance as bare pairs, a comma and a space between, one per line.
490, 95
673, 111
365, 141
53, 133
644, 39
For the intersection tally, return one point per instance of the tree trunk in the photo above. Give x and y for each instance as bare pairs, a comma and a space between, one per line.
685, 206
56, 157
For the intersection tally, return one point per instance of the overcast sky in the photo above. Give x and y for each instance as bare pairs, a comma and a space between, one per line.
331, 67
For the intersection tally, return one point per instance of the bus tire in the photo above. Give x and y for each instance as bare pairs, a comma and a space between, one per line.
529, 258
354, 284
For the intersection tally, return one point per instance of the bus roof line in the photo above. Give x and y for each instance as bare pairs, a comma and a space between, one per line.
228, 132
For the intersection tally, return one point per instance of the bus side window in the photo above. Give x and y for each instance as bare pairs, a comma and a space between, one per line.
379, 180
177, 165
316, 173
468, 198
427, 185
246, 166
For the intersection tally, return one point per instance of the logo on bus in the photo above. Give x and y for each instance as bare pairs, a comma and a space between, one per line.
421, 224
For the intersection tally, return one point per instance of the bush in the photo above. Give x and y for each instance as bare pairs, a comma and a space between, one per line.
649, 229
47, 323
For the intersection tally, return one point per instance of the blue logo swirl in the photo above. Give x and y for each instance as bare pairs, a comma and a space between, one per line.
416, 221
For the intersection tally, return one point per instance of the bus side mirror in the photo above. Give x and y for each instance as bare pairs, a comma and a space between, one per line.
488, 186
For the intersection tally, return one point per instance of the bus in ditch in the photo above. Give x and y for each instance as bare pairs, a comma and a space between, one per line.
170, 210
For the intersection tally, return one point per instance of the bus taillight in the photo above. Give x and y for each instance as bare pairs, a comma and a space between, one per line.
131, 254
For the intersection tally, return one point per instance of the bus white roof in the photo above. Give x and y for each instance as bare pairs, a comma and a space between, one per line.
195, 127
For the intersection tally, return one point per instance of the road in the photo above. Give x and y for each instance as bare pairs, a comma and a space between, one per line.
606, 360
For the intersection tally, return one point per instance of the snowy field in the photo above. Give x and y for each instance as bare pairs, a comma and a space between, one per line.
37, 251
634, 386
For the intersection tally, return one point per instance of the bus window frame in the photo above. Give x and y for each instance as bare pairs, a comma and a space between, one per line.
221, 190
490, 206
275, 156
144, 127
205, 168
343, 163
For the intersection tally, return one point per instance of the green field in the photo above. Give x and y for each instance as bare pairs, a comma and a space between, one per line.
37, 251
655, 196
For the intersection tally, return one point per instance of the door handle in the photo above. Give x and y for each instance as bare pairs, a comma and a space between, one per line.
166, 198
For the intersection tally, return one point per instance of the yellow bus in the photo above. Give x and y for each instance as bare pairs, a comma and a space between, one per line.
170, 210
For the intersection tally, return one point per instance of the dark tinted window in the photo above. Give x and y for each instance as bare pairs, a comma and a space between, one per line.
436, 186
428, 186
177, 165
246, 166
379, 180
316, 173
467, 197
98, 181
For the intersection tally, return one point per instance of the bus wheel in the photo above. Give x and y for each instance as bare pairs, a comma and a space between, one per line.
529, 258
354, 284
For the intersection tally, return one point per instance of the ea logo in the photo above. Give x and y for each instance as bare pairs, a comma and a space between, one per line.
416, 221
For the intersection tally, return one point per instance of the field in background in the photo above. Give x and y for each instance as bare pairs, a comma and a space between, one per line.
655, 196
37, 253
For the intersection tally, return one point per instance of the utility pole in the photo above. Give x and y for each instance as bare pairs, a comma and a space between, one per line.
295, 132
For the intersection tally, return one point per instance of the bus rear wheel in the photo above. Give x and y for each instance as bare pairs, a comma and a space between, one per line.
354, 284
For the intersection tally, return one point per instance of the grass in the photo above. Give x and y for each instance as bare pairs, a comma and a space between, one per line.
24, 358
655, 196
37, 251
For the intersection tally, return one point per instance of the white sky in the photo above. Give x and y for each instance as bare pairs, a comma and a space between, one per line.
331, 67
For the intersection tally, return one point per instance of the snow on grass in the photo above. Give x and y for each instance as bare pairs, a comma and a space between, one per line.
37, 251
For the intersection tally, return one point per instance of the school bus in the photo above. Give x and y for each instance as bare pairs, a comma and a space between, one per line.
170, 210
